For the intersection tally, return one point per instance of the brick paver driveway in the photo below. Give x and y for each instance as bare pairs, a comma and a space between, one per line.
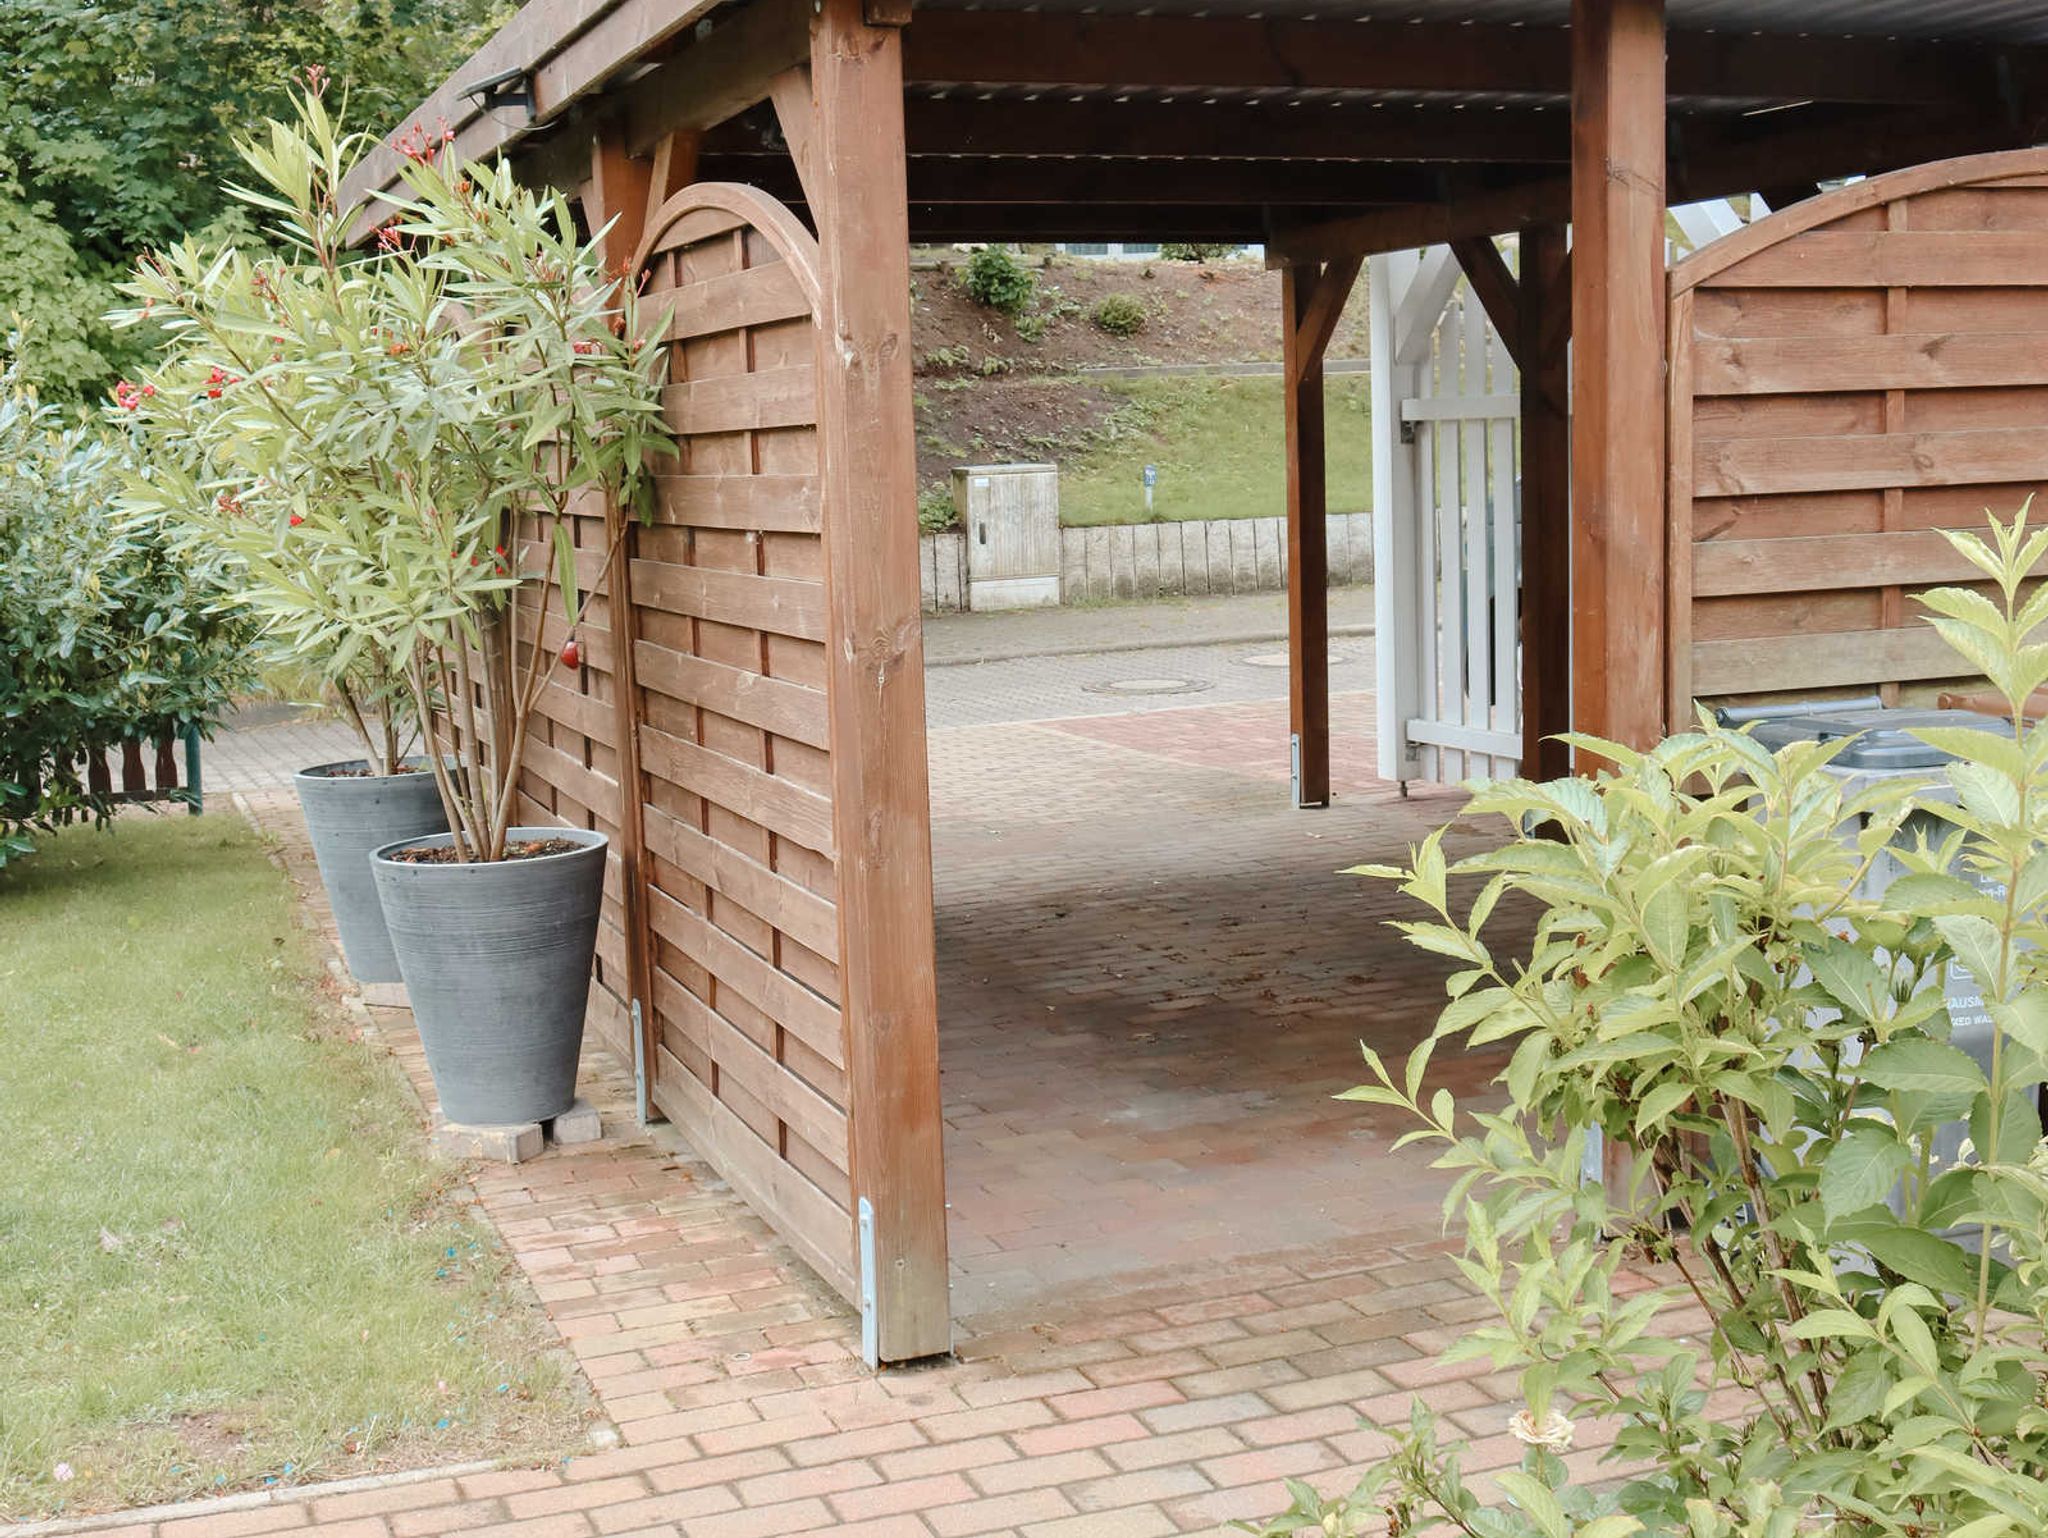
1182, 1272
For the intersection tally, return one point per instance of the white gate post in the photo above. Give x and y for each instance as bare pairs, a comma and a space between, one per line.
1407, 291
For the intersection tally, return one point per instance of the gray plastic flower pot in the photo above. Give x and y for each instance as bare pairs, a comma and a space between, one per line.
496, 958
346, 817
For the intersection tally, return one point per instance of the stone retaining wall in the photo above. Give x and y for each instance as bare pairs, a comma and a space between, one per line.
1151, 560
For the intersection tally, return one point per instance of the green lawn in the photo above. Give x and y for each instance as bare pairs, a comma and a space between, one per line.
225, 1258
1220, 445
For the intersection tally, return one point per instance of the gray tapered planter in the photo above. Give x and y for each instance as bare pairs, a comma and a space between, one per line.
347, 816
496, 959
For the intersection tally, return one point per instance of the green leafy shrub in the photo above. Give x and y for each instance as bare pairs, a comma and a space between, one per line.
106, 633
936, 510
385, 446
996, 279
1032, 327
1119, 314
1194, 251
1707, 989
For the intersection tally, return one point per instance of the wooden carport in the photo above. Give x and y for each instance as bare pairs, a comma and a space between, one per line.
750, 724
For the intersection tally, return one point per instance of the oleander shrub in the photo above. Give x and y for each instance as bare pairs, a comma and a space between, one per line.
385, 445
1709, 990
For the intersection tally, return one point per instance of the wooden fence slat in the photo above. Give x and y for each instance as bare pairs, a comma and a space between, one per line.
778, 805
1821, 660
585, 786
813, 1020
1735, 467
773, 704
735, 403
765, 1181
776, 504
533, 556
1897, 258
753, 296
796, 911
1934, 360
780, 604
698, 225
1908, 558
806, 1112
594, 718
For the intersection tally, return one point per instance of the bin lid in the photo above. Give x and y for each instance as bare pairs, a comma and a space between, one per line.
1884, 738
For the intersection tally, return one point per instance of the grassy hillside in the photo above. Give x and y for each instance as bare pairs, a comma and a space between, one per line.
993, 388
1220, 448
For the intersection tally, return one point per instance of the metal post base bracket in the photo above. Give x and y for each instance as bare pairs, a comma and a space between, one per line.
870, 1321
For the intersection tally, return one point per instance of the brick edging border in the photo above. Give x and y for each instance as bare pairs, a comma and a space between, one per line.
249, 1500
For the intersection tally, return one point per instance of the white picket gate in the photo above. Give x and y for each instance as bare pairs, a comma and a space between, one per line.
1448, 534
1447, 542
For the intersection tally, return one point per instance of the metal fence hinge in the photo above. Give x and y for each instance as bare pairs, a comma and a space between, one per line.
640, 1067
870, 1320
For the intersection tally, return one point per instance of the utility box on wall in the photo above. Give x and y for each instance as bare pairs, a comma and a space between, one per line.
1010, 515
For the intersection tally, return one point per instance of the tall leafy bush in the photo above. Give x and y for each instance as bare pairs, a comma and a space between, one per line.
386, 445
1708, 990
106, 632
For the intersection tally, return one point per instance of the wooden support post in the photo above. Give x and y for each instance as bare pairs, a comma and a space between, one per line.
875, 646
1312, 301
619, 185
620, 188
1546, 505
1618, 198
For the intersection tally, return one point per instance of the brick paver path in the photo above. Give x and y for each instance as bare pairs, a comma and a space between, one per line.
1153, 980
1182, 1272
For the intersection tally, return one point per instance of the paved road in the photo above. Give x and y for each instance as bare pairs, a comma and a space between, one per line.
1053, 664
1118, 683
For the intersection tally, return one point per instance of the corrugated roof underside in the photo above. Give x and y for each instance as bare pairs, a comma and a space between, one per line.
2014, 21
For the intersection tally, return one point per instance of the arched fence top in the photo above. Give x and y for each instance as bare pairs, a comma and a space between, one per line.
682, 221
1872, 192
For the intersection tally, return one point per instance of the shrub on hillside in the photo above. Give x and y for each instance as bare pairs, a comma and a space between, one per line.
1119, 315
996, 279
1712, 989
1194, 251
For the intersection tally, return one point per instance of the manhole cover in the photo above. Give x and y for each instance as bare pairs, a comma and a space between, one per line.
1279, 659
1150, 686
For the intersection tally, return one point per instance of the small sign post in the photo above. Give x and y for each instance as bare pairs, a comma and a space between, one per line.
1151, 480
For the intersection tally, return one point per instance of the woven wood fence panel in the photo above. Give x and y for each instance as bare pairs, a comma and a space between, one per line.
730, 616
1848, 376
569, 769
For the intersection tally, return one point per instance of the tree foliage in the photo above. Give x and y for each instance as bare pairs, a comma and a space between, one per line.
117, 125
1713, 989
